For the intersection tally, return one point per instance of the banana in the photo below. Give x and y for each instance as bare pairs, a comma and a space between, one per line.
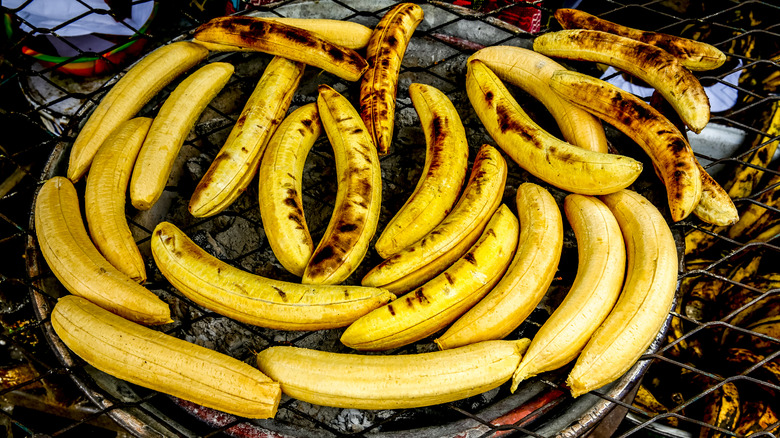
281, 176
339, 32
452, 238
526, 280
105, 197
162, 362
552, 160
358, 196
655, 66
359, 381
173, 122
384, 55
650, 406
283, 41
253, 299
694, 55
600, 271
668, 149
531, 71
128, 95
715, 205
721, 411
645, 301
237, 161
752, 215
434, 305
446, 164
78, 264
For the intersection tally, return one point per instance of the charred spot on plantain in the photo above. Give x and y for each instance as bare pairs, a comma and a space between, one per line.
281, 293
469, 257
449, 278
391, 309
489, 98
347, 228
338, 55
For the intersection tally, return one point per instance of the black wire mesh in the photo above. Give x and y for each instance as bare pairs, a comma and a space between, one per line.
687, 372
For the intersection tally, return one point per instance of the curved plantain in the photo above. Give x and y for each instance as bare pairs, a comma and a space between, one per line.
434, 305
552, 160
446, 164
253, 299
715, 206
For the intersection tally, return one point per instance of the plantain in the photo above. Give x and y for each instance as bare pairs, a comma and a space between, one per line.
757, 213
644, 302
162, 362
694, 55
128, 95
169, 129
359, 381
254, 299
237, 161
78, 264
526, 280
105, 197
358, 197
280, 189
434, 305
655, 66
600, 272
721, 411
452, 238
283, 41
649, 404
446, 164
552, 160
531, 71
715, 205
379, 84
756, 417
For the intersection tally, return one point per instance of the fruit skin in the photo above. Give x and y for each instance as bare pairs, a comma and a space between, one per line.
359, 381
128, 95
254, 299
279, 193
161, 362
78, 264
646, 298
358, 195
666, 146
379, 84
446, 164
600, 271
434, 305
453, 237
105, 197
531, 71
170, 128
548, 158
526, 280
694, 55
284, 41
237, 161
655, 66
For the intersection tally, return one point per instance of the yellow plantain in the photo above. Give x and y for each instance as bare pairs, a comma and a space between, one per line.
747, 224
671, 154
237, 161
173, 122
359, 381
446, 164
526, 280
162, 362
128, 95
281, 175
721, 410
339, 32
105, 197
284, 41
384, 55
715, 206
358, 196
77, 263
531, 72
434, 305
655, 66
695, 55
253, 299
645, 301
554, 161
462, 227
600, 270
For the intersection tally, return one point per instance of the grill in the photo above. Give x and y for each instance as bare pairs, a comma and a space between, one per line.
689, 348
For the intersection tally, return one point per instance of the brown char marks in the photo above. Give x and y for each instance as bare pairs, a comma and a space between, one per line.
509, 122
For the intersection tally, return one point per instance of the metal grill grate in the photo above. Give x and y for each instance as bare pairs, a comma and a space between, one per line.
747, 30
